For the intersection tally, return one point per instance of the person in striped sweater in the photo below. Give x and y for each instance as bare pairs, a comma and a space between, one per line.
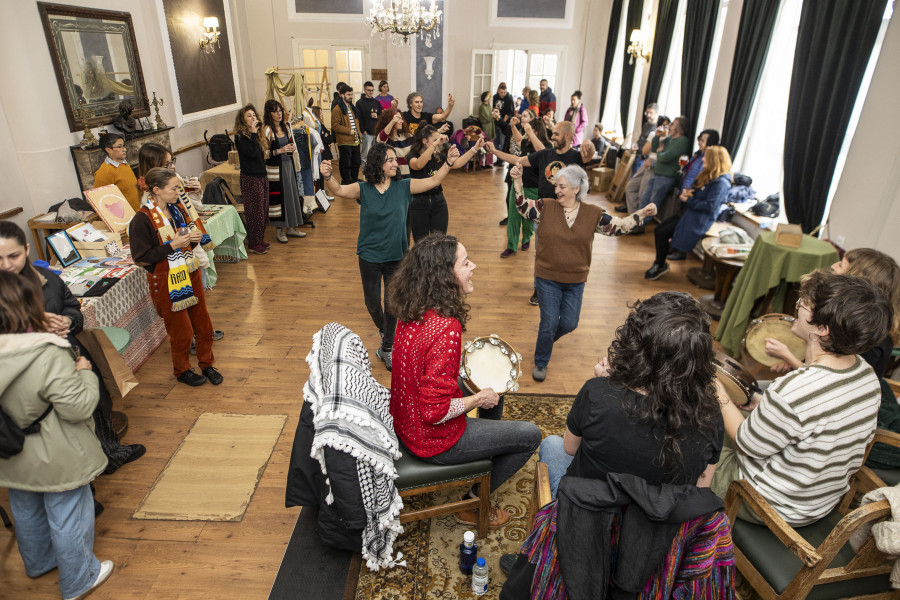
807, 433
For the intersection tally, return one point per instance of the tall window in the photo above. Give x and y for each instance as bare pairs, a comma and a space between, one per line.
482, 77
611, 112
344, 63
517, 67
711, 70
543, 66
670, 91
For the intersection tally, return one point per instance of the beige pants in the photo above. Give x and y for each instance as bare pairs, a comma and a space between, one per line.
635, 187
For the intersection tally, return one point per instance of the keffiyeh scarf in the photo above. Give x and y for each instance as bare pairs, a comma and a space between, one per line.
351, 414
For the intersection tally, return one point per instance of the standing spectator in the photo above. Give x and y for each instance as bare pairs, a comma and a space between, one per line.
384, 97
393, 130
666, 170
577, 115
503, 103
523, 101
415, 115
534, 101
345, 126
43, 382
116, 170
368, 108
285, 206
547, 98
251, 148
486, 116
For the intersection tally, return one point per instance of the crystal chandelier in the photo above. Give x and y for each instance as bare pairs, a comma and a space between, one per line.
403, 19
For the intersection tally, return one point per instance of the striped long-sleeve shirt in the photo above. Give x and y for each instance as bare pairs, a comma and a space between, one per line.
808, 436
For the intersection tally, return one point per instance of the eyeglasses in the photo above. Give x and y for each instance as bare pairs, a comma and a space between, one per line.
799, 305
171, 163
117, 147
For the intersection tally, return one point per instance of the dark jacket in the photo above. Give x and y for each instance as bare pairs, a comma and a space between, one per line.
507, 109
547, 101
59, 300
365, 107
701, 211
341, 523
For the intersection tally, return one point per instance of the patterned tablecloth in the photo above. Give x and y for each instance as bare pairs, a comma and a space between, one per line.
127, 305
224, 226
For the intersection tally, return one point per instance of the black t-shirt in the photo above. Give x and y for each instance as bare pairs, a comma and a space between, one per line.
430, 168
414, 122
368, 110
547, 162
879, 356
530, 177
612, 441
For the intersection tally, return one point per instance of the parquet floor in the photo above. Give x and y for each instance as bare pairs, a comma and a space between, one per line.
269, 308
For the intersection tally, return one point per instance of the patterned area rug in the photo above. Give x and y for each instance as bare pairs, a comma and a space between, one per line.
431, 547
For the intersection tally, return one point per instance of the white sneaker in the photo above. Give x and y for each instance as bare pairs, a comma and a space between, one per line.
106, 569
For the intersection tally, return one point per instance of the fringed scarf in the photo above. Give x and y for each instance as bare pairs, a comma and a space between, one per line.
180, 261
195, 223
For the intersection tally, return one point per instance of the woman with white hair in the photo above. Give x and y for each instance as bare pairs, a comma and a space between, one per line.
564, 253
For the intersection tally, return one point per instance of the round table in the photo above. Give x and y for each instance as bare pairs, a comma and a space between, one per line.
726, 269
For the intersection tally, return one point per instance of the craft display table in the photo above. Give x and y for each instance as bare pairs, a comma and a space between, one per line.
768, 266
224, 226
42, 224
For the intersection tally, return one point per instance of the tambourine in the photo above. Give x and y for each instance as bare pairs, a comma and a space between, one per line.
490, 362
772, 325
739, 384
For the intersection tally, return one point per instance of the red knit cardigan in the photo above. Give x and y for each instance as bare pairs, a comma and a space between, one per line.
424, 375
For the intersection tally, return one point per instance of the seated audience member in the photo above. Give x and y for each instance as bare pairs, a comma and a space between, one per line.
577, 115
428, 293
808, 434
49, 480
393, 130
600, 142
651, 114
682, 231
116, 170
666, 169
635, 187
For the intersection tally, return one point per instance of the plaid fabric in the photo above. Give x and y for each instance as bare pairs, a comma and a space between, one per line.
351, 414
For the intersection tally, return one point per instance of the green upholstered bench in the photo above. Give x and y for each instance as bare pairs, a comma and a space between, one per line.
416, 476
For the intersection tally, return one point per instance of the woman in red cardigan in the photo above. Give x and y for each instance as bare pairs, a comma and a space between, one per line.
427, 293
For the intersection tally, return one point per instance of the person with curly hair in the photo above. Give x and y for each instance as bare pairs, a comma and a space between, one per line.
252, 147
285, 206
428, 294
384, 203
807, 433
651, 409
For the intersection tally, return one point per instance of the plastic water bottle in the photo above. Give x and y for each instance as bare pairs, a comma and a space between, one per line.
468, 552
480, 577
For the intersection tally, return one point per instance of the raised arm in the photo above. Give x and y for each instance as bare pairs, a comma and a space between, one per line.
419, 162
333, 187
536, 142
419, 186
446, 114
462, 160
510, 158
610, 225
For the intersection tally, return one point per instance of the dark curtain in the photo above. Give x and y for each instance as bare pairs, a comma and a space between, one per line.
699, 28
665, 28
611, 38
834, 44
754, 36
632, 22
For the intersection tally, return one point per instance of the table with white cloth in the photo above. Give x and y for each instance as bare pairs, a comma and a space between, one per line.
225, 228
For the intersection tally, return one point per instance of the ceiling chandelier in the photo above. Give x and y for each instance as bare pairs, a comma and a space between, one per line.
403, 19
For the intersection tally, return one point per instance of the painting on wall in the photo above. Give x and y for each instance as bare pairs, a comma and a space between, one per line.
111, 205
531, 9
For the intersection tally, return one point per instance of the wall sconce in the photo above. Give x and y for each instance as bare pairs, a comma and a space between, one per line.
211, 36
429, 66
638, 48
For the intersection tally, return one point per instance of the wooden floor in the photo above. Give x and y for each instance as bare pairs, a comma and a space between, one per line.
269, 307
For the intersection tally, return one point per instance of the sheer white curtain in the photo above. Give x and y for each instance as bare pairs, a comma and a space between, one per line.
612, 110
670, 91
711, 71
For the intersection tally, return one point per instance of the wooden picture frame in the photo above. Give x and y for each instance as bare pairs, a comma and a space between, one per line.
97, 66
62, 247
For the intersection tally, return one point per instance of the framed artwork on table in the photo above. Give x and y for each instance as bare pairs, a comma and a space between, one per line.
112, 207
62, 246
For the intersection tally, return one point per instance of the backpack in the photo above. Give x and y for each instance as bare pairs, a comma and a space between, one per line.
217, 191
219, 146
12, 437
768, 207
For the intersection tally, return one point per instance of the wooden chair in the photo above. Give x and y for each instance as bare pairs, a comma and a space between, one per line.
540, 495
415, 476
815, 561
620, 179
238, 206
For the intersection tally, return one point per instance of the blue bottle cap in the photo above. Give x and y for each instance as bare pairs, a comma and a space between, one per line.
480, 562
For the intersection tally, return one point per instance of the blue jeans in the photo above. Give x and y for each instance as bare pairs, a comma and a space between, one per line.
560, 305
656, 192
56, 529
553, 452
509, 445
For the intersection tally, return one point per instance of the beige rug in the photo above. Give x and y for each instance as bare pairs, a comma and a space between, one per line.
213, 474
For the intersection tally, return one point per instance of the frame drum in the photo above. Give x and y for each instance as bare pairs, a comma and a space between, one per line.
773, 325
489, 362
739, 384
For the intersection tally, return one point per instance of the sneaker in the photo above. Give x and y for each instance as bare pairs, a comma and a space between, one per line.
106, 569
676, 255
258, 249
621, 208
267, 245
507, 562
504, 221
213, 375
507, 253
280, 236
384, 355
98, 508
539, 374
191, 378
656, 271
639, 230
292, 232
526, 245
498, 517
534, 299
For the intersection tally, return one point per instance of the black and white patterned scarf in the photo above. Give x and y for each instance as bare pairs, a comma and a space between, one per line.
351, 414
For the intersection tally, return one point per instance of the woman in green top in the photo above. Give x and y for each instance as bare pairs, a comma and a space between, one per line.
384, 200
485, 116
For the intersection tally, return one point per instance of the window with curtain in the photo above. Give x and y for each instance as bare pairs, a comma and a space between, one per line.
711, 71
611, 113
670, 91
762, 152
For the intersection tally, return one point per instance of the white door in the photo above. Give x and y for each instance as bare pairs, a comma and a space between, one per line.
482, 77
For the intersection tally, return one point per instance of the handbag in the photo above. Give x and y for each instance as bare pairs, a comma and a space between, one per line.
12, 437
117, 376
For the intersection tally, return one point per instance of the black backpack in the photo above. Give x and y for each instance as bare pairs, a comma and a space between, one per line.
219, 146
217, 191
12, 437
768, 207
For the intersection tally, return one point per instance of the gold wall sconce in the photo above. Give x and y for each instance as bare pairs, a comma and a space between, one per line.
209, 41
639, 48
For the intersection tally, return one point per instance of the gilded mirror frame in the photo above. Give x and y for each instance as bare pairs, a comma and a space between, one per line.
58, 19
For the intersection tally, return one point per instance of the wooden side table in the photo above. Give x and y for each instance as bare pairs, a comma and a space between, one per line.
40, 228
726, 270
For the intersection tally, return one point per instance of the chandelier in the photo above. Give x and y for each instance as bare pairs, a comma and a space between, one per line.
404, 19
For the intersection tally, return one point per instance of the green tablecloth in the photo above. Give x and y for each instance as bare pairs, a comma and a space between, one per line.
227, 232
768, 266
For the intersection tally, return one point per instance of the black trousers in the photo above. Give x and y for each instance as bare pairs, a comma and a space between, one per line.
350, 162
663, 234
372, 275
428, 213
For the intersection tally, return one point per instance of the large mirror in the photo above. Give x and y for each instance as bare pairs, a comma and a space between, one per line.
96, 62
